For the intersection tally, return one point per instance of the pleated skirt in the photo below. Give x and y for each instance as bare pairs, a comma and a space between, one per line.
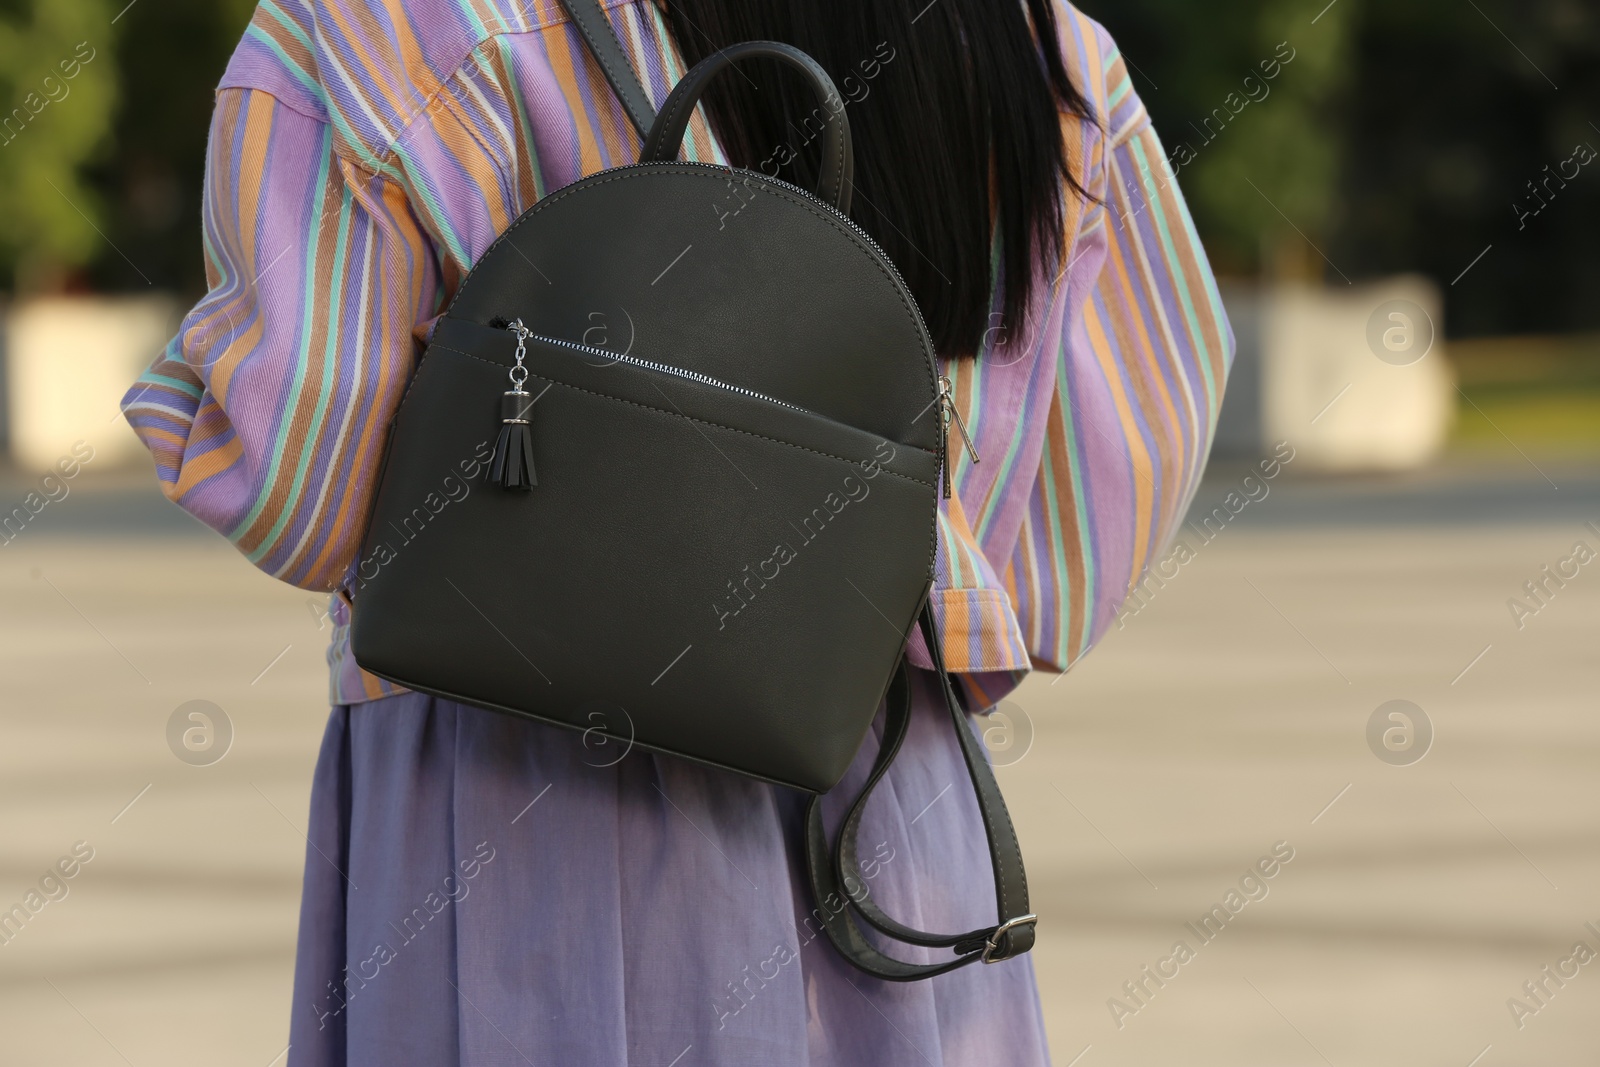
484, 891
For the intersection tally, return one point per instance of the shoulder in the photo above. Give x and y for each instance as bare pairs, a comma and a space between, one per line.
370, 67
1100, 72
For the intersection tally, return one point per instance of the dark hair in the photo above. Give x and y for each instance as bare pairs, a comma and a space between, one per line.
955, 111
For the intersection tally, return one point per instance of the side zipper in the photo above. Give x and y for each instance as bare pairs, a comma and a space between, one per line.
947, 415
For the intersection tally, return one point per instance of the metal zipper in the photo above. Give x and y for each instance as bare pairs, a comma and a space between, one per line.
894, 272
948, 414
635, 361
944, 399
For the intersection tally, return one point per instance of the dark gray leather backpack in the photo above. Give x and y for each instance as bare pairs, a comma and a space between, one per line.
712, 427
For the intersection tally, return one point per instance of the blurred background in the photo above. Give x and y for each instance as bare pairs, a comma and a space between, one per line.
1380, 660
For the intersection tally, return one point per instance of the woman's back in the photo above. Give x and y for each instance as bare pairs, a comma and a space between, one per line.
483, 890
369, 155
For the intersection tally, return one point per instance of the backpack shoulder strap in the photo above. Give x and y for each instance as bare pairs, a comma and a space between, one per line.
590, 18
841, 894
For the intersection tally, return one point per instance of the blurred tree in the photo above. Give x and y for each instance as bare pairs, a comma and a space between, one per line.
1403, 137
57, 86
1463, 108
170, 55
1245, 95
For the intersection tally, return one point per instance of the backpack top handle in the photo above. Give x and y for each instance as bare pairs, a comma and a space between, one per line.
836, 179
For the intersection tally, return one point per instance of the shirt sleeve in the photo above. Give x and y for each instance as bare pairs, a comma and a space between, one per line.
1144, 351
267, 414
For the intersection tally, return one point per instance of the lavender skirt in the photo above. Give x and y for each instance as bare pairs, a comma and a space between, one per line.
483, 891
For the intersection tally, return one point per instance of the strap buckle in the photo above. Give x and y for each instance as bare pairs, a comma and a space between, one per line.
992, 946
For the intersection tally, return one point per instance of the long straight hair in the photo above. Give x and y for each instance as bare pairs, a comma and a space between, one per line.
955, 111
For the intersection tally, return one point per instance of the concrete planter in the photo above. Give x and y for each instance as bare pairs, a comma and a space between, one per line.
69, 361
1354, 377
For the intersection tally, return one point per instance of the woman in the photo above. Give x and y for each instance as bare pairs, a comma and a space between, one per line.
482, 890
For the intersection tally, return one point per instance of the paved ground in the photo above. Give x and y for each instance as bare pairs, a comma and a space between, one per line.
1226, 717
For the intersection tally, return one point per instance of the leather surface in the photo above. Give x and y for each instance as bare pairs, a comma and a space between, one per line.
728, 273
645, 588
835, 179
830, 874
597, 372
697, 572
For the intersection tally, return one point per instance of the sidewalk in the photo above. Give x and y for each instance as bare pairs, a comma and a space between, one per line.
1227, 716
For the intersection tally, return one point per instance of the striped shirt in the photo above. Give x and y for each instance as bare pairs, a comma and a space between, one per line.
365, 153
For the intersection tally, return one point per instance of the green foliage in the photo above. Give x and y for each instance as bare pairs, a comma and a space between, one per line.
1244, 94
1406, 135
1280, 173
57, 89
170, 57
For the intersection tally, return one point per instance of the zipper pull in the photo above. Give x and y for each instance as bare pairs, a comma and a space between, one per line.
948, 414
511, 465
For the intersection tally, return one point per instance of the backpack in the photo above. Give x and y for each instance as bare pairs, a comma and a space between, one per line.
714, 434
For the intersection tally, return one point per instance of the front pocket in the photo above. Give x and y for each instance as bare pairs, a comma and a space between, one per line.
659, 385
601, 357
730, 578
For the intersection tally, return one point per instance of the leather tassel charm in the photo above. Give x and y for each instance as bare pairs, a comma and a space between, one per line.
511, 466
